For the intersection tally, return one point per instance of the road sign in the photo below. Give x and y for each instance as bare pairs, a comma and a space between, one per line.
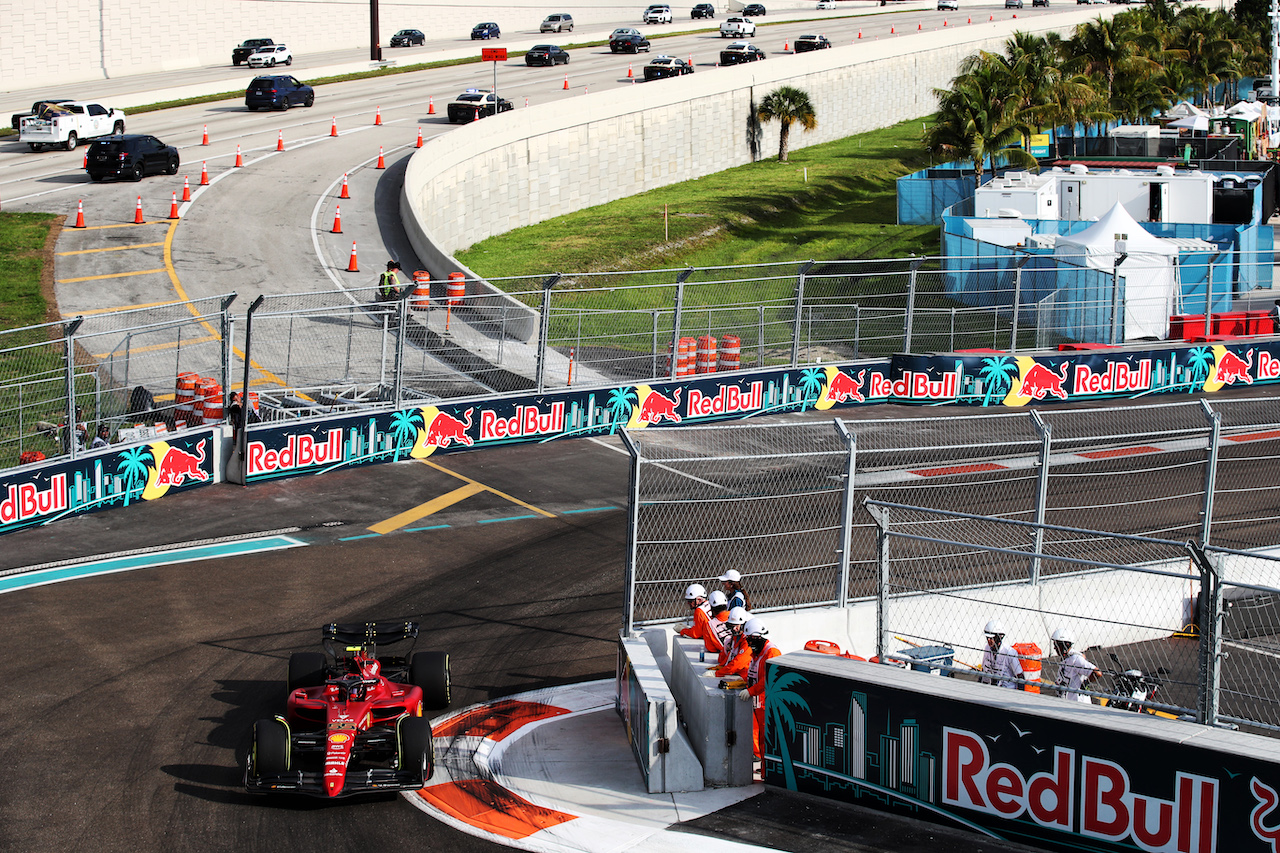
493, 54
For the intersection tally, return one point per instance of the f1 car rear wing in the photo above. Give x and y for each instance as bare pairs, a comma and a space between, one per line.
352, 636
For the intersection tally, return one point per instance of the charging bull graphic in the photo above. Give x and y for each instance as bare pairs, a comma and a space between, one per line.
445, 429
844, 388
1231, 367
1040, 382
1267, 799
178, 465
657, 407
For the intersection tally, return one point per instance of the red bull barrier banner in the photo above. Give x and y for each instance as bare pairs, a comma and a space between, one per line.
107, 479
1036, 769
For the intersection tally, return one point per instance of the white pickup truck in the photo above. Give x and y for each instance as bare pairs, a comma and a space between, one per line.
67, 123
737, 27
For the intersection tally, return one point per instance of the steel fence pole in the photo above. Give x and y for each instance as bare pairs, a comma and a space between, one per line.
1116, 325
544, 328
1210, 472
69, 356
677, 318
633, 528
1210, 651
1019, 263
909, 331
1045, 431
881, 517
242, 429
227, 331
846, 510
1208, 303
799, 310
402, 322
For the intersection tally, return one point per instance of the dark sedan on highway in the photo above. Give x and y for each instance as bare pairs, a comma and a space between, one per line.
628, 43
811, 42
739, 52
546, 54
408, 38
666, 66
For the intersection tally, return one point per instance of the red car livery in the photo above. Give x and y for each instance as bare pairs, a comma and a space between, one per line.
353, 722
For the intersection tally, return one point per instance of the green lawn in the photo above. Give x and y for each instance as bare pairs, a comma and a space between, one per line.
22, 239
831, 201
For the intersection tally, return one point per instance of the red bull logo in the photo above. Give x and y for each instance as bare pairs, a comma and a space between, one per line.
1268, 366
445, 429
177, 466
1231, 367
1097, 795
25, 501
729, 399
1267, 799
299, 451
1118, 378
528, 420
657, 407
1041, 382
844, 389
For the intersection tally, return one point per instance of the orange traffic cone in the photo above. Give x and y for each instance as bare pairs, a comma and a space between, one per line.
377, 118
477, 118
944, 22
79, 215
786, 45
630, 73
333, 128
891, 29
382, 164
566, 82
337, 220
352, 266
919, 27
137, 213
431, 106
859, 33
204, 173
419, 143
186, 188
970, 20
280, 141
205, 139
239, 159
345, 193
586, 91
570, 380
173, 207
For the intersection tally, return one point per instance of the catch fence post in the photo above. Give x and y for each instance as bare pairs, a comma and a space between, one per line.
402, 322
69, 358
1045, 431
846, 509
1019, 263
544, 328
1210, 651
909, 331
633, 527
1210, 472
242, 433
677, 318
799, 308
881, 517
227, 331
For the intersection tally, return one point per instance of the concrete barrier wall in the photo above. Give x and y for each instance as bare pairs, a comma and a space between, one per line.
719, 724
526, 166
649, 711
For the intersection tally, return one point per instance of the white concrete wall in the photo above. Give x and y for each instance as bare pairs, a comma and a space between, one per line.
526, 166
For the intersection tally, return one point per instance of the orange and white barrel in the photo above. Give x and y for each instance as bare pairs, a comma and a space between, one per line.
457, 289
421, 298
1030, 655
730, 353
685, 357
254, 401
212, 413
185, 395
707, 354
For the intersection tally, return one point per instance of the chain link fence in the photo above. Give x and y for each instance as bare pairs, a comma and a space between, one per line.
1064, 509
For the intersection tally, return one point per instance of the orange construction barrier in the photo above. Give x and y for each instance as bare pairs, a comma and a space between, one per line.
212, 402
707, 354
421, 298
730, 354
825, 647
456, 290
685, 356
1031, 655
185, 395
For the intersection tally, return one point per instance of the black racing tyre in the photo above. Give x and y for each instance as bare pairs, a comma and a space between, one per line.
306, 669
417, 750
310, 101
430, 671
138, 171
270, 749
172, 167
71, 142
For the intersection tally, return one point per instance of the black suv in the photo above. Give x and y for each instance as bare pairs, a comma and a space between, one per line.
131, 156
703, 10
629, 43
753, 10
248, 46
278, 91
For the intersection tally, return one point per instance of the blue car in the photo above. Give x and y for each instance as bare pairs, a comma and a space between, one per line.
486, 31
278, 92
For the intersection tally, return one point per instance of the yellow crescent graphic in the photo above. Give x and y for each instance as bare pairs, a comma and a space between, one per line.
1014, 397
634, 422
152, 489
1211, 382
824, 399
421, 450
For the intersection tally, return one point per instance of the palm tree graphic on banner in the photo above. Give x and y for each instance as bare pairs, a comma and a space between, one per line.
780, 700
810, 384
621, 403
1199, 366
404, 430
997, 378
134, 469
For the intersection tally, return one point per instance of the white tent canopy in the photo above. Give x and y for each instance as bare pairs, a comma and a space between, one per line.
1185, 108
1147, 280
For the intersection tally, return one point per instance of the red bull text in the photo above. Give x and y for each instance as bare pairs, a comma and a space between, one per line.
527, 421
730, 399
300, 451
25, 501
1119, 378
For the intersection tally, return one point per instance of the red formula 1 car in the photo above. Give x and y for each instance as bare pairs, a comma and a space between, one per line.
353, 723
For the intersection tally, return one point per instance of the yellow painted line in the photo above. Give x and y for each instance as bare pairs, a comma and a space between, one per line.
159, 347
119, 308
121, 225
109, 275
472, 487
109, 249
422, 510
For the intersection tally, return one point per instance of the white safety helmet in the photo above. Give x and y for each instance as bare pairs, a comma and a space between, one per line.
738, 616
731, 575
994, 627
1062, 635
755, 628
717, 599
695, 590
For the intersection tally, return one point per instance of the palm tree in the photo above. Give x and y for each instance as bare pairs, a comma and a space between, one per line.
621, 402
1199, 360
1205, 45
788, 105
978, 120
404, 429
810, 384
997, 378
780, 701
1107, 48
133, 468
